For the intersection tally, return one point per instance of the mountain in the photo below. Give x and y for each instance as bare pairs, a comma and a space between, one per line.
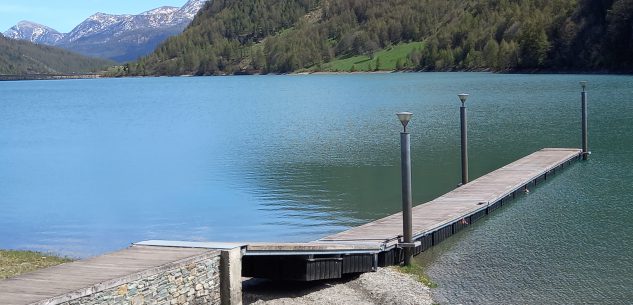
19, 57
34, 32
248, 36
117, 37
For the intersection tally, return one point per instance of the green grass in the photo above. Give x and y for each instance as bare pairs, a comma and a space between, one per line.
13, 263
362, 63
418, 272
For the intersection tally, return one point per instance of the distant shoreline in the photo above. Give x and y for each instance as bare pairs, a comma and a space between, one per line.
19, 77
483, 70
343, 72
95, 76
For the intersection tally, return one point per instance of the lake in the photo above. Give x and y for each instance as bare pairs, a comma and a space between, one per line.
89, 166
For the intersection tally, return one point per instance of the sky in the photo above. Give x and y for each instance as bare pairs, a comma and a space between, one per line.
64, 15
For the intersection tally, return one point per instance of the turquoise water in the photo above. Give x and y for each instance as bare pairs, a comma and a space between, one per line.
88, 166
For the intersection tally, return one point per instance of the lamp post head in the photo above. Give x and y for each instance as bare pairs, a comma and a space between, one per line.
463, 97
583, 84
404, 118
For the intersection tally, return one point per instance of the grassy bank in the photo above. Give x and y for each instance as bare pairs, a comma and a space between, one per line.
389, 59
13, 263
418, 272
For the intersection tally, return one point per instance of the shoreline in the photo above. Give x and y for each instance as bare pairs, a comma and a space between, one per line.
8, 78
302, 73
344, 72
509, 72
386, 286
16, 262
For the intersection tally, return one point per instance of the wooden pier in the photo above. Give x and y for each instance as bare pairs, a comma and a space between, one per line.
381, 240
360, 249
476, 197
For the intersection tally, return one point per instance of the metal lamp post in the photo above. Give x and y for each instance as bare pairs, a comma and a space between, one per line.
583, 97
462, 115
407, 197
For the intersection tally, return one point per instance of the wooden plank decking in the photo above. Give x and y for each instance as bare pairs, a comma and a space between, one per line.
102, 270
466, 200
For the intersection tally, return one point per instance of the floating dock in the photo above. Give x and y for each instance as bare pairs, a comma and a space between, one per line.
357, 250
380, 243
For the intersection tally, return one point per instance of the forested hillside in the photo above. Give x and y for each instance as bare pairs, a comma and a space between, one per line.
19, 57
274, 36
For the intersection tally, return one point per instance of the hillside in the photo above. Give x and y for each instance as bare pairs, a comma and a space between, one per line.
245, 36
19, 57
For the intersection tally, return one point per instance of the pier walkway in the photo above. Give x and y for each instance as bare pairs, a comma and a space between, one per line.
465, 201
65, 282
357, 250
379, 243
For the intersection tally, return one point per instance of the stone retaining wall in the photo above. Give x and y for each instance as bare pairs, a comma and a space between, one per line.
192, 282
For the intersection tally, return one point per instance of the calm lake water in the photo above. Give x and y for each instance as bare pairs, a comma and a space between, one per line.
89, 166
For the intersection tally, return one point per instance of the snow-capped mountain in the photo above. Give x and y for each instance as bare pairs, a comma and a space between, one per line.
34, 32
118, 37
94, 25
162, 15
190, 9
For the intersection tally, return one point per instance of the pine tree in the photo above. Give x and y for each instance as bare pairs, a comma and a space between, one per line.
491, 53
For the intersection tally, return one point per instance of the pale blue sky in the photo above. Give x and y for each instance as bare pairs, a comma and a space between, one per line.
64, 15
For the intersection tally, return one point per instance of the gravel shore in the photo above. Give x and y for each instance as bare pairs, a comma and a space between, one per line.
386, 286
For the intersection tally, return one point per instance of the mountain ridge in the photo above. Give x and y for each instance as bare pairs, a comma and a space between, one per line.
20, 57
120, 38
34, 32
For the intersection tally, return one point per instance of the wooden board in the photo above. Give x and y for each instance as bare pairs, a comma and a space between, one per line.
311, 248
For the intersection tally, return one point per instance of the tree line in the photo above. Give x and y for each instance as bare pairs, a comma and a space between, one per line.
18, 57
275, 36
